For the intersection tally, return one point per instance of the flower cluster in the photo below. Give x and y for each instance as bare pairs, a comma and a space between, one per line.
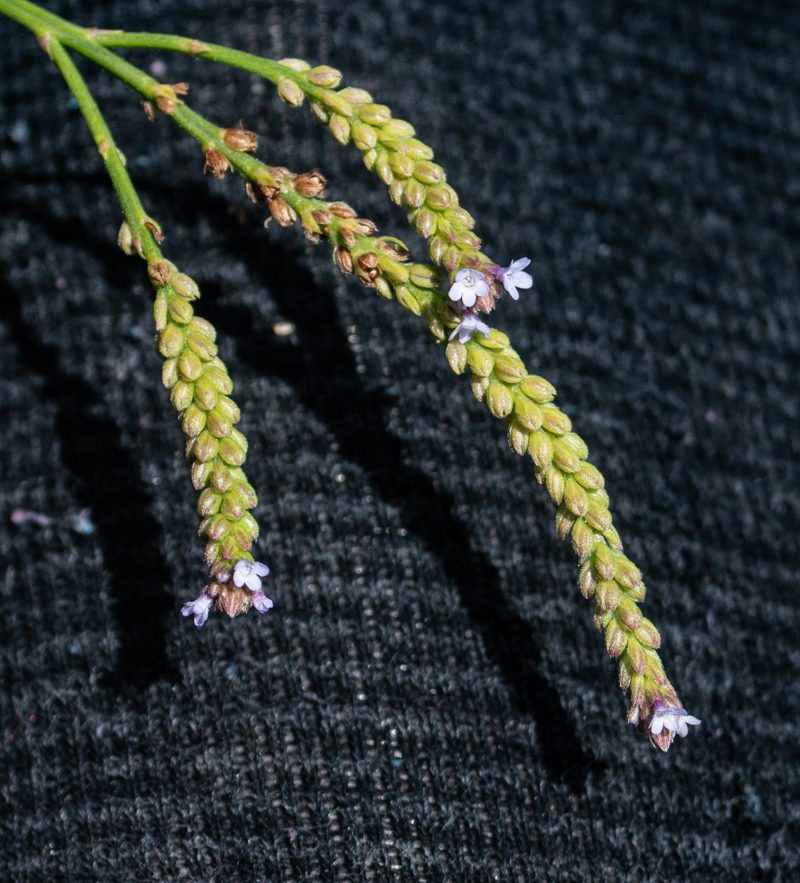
246, 592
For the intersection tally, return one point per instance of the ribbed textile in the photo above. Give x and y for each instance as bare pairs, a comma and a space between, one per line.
429, 700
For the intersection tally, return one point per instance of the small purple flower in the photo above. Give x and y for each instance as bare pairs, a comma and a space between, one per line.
248, 573
468, 287
467, 326
198, 608
261, 602
674, 719
514, 277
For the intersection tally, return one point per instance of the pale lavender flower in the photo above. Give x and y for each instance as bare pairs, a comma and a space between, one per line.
248, 573
260, 601
468, 287
467, 326
199, 608
674, 719
514, 277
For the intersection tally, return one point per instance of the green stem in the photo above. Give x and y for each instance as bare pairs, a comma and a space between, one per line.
128, 197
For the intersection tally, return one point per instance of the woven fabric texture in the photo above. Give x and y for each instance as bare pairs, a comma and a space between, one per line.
428, 700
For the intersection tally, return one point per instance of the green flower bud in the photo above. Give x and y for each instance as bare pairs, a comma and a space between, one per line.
628, 573
608, 594
604, 561
325, 76
221, 478
457, 356
416, 149
428, 172
567, 461
648, 634
170, 341
629, 614
540, 448
509, 370
598, 516
193, 420
479, 387
518, 438
184, 286
169, 373
358, 97
229, 409
480, 361
205, 394
635, 656
436, 247
180, 310
232, 506
556, 421
200, 474
203, 346
538, 389
589, 476
616, 639
376, 114
425, 223
574, 495
160, 312
230, 452
414, 193
402, 166
527, 413
587, 581
364, 136
290, 93
407, 299
205, 447
565, 521
577, 444
209, 502
383, 288
296, 64
554, 480
182, 395
460, 217
219, 378
425, 276
499, 400
335, 102
340, 128
217, 527
383, 167
582, 538
189, 365
218, 425
438, 198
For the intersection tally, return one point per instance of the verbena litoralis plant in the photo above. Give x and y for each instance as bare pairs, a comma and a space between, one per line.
199, 382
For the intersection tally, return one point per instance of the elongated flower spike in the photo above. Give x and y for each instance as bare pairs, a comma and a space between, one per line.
200, 385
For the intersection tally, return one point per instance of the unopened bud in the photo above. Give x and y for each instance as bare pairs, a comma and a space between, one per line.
375, 114
540, 448
358, 97
527, 413
170, 341
428, 172
598, 515
185, 286
565, 520
574, 494
582, 538
457, 356
216, 163
320, 113
407, 299
189, 364
169, 373
554, 480
414, 193
398, 129
219, 378
240, 139
364, 136
290, 93
604, 561
193, 421
438, 199
480, 361
616, 638
340, 128
182, 395
557, 422
499, 400
296, 64
125, 238
425, 275
324, 76
231, 452
509, 370
425, 223
648, 634
518, 438
538, 389
384, 289
589, 476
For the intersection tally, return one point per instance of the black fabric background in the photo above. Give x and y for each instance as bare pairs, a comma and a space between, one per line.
428, 700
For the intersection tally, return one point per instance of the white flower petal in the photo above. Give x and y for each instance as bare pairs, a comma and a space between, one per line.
656, 726
238, 578
261, 602
260, 569
253, 583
